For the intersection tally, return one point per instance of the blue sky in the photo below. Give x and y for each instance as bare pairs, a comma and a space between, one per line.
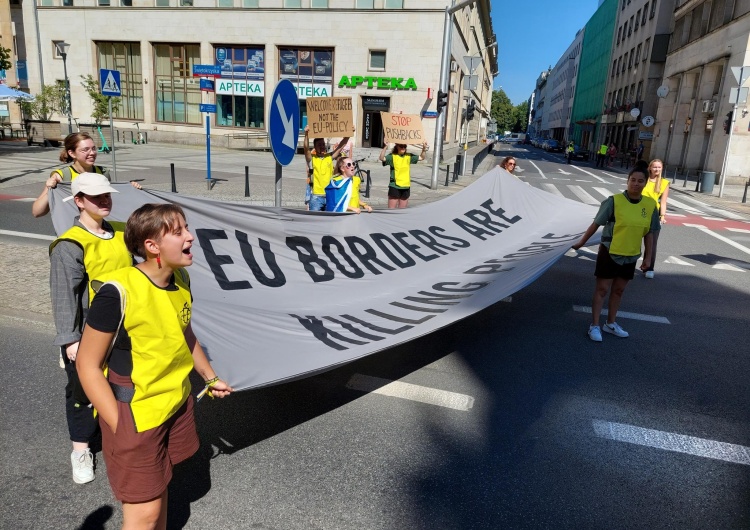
532, 35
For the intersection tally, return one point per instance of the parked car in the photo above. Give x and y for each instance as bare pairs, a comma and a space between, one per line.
579, 153
552, 145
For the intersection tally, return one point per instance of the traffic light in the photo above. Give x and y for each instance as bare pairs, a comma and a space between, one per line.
442, 100
470, 110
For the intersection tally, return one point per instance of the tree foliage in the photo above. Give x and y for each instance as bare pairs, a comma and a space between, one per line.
508, 117
48, 101
99, 102
5, 62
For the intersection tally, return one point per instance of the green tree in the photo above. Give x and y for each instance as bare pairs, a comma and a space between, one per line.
48, 101
502, 111
5, 62
520, 117
99, 102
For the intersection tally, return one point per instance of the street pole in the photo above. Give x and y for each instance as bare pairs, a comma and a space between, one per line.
445, 57
724, 164
67, 91
112, 131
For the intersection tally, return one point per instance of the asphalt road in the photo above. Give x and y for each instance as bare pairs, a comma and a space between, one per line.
651, 431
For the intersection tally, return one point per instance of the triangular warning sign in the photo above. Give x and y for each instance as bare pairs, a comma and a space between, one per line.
110, 85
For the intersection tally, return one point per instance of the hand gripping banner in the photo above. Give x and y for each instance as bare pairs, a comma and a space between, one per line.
281, 294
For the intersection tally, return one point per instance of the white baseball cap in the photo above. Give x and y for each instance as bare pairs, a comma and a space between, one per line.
92, 184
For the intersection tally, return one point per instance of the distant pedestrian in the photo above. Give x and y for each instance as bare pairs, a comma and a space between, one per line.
399, 187
657, 188
611, 154
569, 151
639, 151
601, 155
627, 218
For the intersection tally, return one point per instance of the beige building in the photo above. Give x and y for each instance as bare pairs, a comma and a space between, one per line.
10, 112
385, 54
709, 38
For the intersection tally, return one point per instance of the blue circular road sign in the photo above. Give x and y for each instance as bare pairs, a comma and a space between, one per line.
283, 126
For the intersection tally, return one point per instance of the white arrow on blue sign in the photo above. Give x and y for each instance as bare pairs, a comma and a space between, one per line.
283, 127
109, 82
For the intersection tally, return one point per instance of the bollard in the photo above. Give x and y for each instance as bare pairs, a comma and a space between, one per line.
684, 182
744, 195
174, 183
447, 173
247, 181
697, 181
368, 184
145, 137
456, 169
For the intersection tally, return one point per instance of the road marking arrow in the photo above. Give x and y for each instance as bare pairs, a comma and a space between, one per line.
720, 237
288, 139
565, 172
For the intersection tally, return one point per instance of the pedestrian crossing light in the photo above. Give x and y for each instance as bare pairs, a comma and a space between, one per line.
470, 110
442, 100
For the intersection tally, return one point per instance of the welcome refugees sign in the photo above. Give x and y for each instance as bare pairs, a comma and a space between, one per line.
274, 289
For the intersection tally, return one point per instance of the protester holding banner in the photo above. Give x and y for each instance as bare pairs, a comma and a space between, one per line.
79, 150
342, 194
139, 328
322, 168
91, 247
399, 187
508, 164
627, 218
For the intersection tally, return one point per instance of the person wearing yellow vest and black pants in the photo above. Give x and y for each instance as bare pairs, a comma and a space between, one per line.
322, 168
627, 218
399, 187
657, 188
143, 395
90, 248
601, 155
79, 150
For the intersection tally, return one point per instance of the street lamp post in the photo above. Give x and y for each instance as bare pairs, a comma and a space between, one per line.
62, 49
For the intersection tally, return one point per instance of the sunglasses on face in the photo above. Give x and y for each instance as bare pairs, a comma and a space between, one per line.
511, 164
349, 164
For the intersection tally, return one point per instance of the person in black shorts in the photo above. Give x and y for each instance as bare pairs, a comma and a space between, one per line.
399, 187
627, 219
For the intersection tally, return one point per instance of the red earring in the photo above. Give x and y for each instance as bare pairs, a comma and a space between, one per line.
158, 260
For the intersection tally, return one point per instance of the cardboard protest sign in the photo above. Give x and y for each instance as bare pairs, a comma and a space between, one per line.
402, 128
330, 117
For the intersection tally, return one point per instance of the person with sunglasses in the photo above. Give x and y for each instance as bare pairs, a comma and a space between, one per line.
79, 151
508, 164
321, 163
399, 187
342, 194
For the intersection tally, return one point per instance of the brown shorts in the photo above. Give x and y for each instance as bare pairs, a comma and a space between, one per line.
139, 464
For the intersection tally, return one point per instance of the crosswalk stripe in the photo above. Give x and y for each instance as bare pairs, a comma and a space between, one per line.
551, 188
720, 237
725, 213
683, 206
740, 230
625, 314
537, 168
597, 177
674, 260
604, 191
581, 194
421, 394
727, 267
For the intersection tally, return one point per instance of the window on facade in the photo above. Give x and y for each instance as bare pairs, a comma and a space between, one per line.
186, 3
619, 34
638, 53
225, 3
645, 48
695, 23
47, 2
717, 14
365, 4
625, 30
394, 4
126, 3
292, 3
645, 13
249, 3
624, 3
319, 4
377, 60
639, 91
102, 3
177, 93
125, 57
653, 9
637, 19
65, 3
162, 3
632, 93
311, 72
630, 61
614, 68
240, 95
630, 27
625, 62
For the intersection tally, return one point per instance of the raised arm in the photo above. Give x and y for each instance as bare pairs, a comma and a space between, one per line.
306, 144
424, 149
382, 153
40, 207
339, 147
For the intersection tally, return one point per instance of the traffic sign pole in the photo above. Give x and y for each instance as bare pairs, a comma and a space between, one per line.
283, 129
112, 131
208, 151
109, 85
277, 196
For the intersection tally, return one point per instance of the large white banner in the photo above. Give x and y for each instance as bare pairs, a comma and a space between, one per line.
282, 294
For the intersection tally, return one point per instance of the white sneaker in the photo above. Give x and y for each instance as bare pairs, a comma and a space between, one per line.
650, 275
615, 329
595, 333
83, 466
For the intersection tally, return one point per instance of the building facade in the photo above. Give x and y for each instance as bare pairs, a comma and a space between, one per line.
385, 54
562, 90
636, 70
708, 39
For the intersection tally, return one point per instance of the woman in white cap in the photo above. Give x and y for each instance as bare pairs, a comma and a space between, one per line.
92, 246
